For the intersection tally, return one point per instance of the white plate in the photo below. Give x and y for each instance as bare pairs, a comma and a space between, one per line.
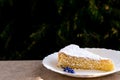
50, 62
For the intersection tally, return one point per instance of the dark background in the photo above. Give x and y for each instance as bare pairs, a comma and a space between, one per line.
33, 29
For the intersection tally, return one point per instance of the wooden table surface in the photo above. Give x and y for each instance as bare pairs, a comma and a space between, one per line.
34, 70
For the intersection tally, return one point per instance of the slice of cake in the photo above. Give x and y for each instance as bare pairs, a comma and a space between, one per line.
78, 58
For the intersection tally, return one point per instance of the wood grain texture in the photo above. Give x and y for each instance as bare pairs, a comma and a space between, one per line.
34, 70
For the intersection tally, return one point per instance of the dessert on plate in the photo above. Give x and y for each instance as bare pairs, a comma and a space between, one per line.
79, 58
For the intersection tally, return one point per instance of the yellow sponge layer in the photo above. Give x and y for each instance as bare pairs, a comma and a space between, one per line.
84, 63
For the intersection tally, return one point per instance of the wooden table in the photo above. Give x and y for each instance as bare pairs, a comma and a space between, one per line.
33, 70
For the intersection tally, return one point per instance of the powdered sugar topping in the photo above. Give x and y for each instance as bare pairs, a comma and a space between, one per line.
75, 50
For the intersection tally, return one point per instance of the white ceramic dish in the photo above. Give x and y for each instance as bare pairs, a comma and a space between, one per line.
50, 62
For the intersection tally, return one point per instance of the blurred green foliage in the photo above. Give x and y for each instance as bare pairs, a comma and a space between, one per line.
32, 29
